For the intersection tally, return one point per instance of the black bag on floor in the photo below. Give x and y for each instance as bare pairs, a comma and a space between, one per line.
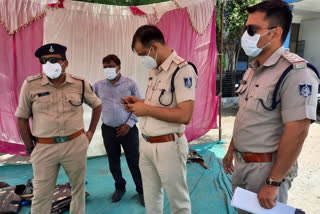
11, 197
9, 200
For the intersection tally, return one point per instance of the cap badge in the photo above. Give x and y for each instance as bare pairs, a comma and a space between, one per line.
51, 50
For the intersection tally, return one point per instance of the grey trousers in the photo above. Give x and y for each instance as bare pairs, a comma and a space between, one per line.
252, 176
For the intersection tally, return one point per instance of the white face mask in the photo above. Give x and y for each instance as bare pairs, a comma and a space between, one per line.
52, 70
110, 73
148, 62
249, 43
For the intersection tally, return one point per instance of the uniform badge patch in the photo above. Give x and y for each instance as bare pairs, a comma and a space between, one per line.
305, 89
187, 82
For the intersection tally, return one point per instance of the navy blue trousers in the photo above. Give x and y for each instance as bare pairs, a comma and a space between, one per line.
130, 145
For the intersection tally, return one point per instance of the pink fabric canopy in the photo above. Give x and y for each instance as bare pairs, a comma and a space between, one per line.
17, 62
17, 57
200, 50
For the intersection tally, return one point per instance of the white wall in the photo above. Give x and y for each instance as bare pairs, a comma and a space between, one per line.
310, 32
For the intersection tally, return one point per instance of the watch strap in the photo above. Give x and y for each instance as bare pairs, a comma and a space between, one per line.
271, 182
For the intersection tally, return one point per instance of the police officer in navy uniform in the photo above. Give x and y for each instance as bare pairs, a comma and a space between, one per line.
53, 100
272, 121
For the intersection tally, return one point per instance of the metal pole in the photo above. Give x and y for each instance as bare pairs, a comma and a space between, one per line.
221, 65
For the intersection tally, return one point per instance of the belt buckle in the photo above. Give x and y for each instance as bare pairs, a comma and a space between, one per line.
145, 138
61, 139
239, 156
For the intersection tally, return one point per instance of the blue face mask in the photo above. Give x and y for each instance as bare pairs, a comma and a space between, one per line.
249, 43
110, 73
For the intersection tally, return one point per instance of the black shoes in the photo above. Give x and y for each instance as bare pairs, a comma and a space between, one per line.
141, 199
117, 195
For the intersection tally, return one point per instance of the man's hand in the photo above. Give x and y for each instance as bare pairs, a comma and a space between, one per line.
94, 121
89, 135
130, 100
227, 162
138, 108
267, 196
123, 130
29, 150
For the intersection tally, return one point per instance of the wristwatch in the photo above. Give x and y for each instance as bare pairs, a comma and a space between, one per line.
29, 150
270, 182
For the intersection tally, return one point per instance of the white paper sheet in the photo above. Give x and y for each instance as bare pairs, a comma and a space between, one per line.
248, 201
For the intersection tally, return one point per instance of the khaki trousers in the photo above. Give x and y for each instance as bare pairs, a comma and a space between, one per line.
46, 161
164, 165
252, 176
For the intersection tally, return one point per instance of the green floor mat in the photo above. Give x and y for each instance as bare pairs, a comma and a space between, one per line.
210, 190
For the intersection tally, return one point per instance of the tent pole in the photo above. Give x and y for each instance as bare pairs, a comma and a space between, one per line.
221, 65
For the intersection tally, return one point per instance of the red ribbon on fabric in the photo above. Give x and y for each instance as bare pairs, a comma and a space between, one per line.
136, 11
59, 3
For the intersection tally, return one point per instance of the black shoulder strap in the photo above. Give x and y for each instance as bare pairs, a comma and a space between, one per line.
82, 95
276, 90
194, 67
172, 89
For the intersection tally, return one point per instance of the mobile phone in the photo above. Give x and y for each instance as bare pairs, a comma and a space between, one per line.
125, 102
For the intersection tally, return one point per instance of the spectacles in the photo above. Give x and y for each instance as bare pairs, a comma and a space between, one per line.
110, 66
252, 29
44, 60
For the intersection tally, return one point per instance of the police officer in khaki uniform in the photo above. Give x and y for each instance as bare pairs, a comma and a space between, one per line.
269, 133
54, 100
164, 147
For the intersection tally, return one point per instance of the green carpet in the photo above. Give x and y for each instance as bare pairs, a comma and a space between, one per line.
210, 190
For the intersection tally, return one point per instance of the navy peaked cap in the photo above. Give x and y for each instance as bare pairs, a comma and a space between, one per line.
51, 48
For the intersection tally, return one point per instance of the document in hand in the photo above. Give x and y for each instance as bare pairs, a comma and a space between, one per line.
248, 201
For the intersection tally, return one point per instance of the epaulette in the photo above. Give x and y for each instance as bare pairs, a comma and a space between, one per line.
295, 60
180, 61
76, 77
31, 78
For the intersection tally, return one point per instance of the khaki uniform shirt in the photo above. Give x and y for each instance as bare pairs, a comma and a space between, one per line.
160, 79
50, 108
258, 130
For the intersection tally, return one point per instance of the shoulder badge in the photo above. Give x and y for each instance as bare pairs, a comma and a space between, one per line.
31, 78
295, 60
76, 77
187, 82
305, 89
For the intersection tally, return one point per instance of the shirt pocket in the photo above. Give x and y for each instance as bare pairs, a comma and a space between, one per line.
241, 93
125, 91
43, 104
72, 102
263, 97
149, 90
163, 95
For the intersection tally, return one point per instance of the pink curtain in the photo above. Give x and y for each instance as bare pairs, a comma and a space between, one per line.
17, 61
202, 51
